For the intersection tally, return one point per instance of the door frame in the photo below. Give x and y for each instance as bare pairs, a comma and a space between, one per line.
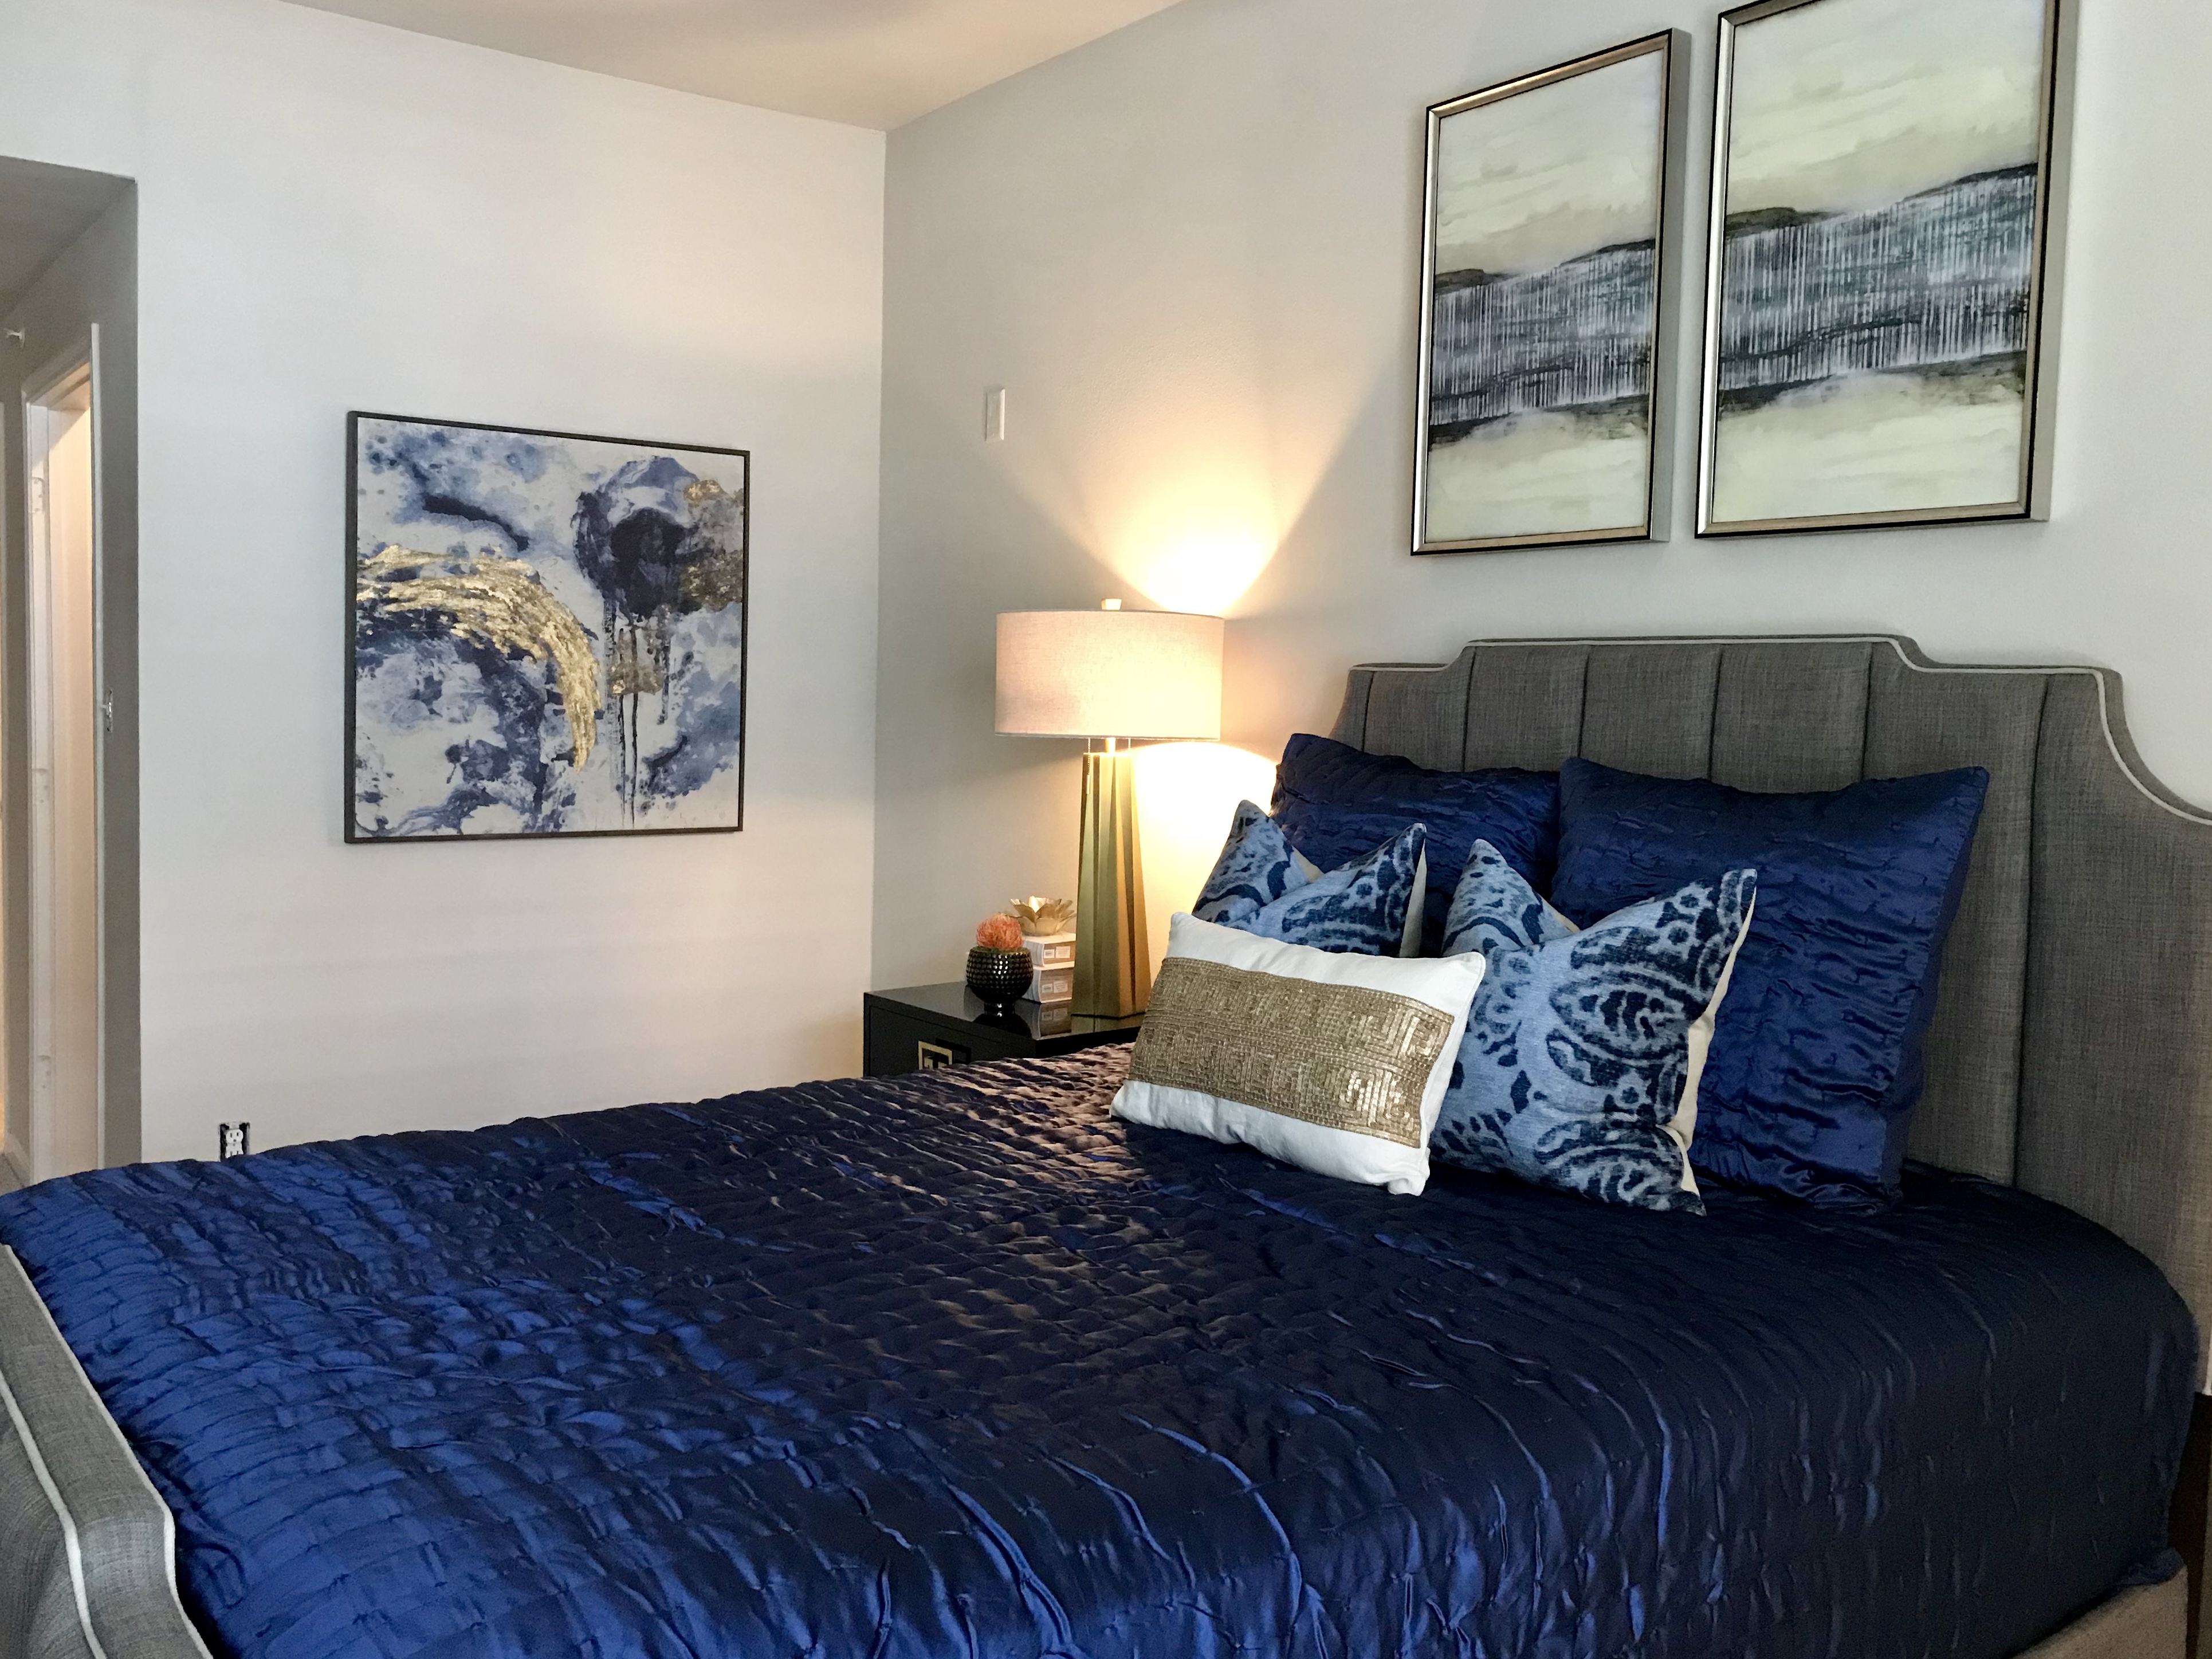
64, 375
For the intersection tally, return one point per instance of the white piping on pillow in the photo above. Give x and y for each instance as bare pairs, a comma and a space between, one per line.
1682, 1127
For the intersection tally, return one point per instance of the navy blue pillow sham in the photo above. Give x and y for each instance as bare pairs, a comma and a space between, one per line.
1337, 803
1815, 1068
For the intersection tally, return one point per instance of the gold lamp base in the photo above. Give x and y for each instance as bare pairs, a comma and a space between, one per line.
1113, 955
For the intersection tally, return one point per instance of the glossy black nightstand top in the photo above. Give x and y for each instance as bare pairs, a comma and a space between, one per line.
957, 1001
951, 1017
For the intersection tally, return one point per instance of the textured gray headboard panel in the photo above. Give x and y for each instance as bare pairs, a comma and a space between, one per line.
2072, 1050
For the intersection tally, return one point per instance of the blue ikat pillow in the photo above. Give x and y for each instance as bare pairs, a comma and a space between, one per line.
1580, 1066
1257, 866
1370, 907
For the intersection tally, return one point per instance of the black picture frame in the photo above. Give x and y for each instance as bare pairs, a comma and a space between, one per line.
349, 816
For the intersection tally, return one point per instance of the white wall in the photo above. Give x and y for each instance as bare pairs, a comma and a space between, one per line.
335, 216
1189, 250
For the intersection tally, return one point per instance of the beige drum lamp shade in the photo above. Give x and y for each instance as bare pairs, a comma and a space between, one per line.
1111, 674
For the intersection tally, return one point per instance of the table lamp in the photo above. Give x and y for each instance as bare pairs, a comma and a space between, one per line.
1111, 676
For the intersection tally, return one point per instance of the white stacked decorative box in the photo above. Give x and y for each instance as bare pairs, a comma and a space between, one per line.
1052, 970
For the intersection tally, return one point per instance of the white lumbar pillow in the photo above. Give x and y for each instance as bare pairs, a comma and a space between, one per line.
1335, 1062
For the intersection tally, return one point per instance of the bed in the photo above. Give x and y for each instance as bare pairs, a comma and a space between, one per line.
959, 1364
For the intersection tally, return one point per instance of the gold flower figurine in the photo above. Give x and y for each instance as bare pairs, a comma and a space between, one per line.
1042, 917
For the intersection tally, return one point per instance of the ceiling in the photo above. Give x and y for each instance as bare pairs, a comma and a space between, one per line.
870, 63
42, 210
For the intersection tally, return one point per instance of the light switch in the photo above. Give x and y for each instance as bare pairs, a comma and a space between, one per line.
995, 415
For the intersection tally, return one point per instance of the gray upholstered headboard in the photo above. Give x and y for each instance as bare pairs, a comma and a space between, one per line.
2072, 1048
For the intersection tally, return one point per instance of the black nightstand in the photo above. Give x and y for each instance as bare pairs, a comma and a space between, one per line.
927, 1026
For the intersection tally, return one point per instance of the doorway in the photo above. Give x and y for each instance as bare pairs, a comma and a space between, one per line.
70, 1039
62, 1130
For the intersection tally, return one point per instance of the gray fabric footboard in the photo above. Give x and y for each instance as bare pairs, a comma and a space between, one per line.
87, 1547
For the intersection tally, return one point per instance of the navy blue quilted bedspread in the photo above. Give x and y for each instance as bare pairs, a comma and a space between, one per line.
958, 1365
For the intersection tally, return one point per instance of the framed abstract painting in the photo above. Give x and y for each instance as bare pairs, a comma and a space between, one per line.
1547, 325
545, 633
1877, 307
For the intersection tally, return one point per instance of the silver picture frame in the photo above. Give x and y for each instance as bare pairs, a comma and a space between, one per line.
1926, 443
1623, 409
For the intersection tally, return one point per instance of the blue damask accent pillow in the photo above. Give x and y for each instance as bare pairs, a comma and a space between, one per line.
1335, 802
1261, 887
1814, 1076
1581, 1065
1257, 866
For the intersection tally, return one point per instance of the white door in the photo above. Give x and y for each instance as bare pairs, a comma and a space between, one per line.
62, 677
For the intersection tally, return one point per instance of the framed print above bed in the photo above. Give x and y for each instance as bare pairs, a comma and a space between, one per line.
1878, 290
1547, 332
545, 633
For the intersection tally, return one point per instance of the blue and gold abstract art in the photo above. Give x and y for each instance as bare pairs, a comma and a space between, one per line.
548, 634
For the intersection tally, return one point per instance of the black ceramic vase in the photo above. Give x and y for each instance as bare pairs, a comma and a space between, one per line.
998, 978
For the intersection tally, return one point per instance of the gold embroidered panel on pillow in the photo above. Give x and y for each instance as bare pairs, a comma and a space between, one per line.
1339, 1056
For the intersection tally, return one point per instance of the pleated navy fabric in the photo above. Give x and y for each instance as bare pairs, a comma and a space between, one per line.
959, 1365
1815, 1067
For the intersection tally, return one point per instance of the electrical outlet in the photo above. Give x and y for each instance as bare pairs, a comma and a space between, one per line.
233, 1139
